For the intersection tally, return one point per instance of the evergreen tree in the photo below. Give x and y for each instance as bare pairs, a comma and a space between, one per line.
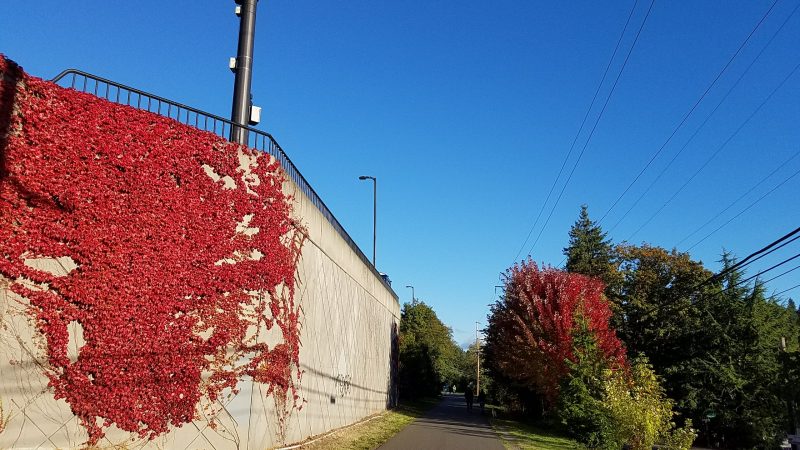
580, 403
590, 252
716, 344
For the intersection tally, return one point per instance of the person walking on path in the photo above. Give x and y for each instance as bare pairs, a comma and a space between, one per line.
482, 399
447, 426
469, 396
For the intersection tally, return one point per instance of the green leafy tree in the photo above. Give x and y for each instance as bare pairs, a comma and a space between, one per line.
469, 368
657, 294
428, 355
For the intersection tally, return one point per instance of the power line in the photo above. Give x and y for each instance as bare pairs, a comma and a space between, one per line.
580, 129
784, 273
763, 180
743, 281
749, 259
775, 249
772, 268
691, 110
744, 210
786, 290
703, 124
739, 283
740, 212
721, 147
594, 127
756, 255
735, 285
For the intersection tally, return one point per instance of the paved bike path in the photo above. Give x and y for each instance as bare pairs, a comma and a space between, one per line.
447, 426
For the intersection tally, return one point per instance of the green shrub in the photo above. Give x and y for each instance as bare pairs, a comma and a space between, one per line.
640, 411
605, 409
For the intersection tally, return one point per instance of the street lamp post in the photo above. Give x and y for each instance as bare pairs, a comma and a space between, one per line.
374, 211
413, 297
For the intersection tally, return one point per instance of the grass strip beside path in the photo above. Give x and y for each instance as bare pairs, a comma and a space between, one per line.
370, 434
517, 435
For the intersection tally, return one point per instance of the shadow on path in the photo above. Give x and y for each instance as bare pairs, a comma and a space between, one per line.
447, 426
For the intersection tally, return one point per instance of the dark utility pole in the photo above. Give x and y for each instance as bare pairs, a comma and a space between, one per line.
243, 69
478, 358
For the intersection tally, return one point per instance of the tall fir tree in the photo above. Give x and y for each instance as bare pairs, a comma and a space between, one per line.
590, 252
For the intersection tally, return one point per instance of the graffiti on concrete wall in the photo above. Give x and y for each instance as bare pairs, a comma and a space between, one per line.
342, 385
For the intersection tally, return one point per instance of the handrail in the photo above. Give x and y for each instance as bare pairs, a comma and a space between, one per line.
257, 139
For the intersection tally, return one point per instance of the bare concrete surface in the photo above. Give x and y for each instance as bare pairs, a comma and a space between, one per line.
447, 426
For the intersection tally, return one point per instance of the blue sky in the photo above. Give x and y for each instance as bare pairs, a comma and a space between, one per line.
465, 110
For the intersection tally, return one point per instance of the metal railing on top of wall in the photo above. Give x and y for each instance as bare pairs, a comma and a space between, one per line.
257, 139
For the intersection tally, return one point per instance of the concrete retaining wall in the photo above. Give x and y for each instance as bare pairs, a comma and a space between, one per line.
349, 324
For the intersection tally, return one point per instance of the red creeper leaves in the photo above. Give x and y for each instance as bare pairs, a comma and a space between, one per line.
176, 272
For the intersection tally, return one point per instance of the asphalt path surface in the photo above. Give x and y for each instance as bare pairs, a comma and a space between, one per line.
447, 426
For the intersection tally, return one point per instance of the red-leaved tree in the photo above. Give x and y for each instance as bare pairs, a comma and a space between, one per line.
530, 335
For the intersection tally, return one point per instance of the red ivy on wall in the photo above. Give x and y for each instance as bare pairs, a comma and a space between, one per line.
531, 328
173, 286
